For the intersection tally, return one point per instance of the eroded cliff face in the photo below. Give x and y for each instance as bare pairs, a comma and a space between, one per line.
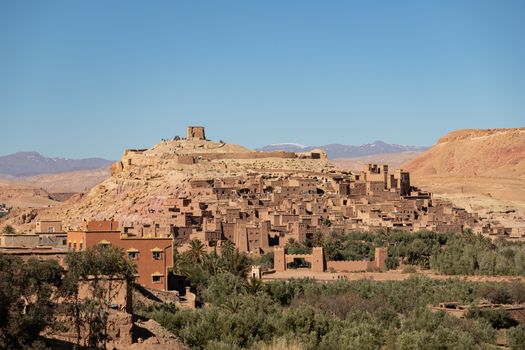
143, 179
480, 170
486, 153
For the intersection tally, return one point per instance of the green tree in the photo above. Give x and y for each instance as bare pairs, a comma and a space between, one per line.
196, 251
102, 270
222, 287
238, 264
253, 285
8, 230
27, 304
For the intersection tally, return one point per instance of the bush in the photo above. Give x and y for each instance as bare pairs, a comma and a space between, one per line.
8, 230
516, 338
281, 343
344, 314
409, 269
392, 263
222, 288
499, 318
496, 294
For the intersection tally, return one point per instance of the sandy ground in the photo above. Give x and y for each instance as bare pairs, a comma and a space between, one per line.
477, 192
71, 181
24, 196
495, 199
394, 160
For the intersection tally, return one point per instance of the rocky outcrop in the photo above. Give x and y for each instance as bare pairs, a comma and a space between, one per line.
481, 170
491, 152
143, 179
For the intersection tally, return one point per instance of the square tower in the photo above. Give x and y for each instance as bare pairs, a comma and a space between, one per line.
196, 133
380, 257
279, 260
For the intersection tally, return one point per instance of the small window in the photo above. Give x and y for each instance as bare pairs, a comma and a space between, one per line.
155, 279
50, 229
156, 255
133, 255
64, 242
80, 245
104, 243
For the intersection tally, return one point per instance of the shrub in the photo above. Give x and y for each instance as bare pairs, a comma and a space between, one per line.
498, 318
516, 338
409, 269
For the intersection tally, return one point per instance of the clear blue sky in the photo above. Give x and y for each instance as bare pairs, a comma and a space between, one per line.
91, 78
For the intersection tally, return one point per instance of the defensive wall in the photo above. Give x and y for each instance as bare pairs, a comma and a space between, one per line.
319, 264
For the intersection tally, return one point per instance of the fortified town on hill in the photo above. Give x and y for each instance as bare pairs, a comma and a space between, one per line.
257, 200
265, 207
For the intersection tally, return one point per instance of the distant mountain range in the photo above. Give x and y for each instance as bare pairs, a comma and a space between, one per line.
33, 163
335, 150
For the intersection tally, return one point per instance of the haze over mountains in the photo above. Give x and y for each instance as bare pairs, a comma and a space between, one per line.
33, 163
335, 151
29, 179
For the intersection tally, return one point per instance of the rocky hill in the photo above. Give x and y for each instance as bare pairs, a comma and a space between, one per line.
335, 151
488, 153
143, 179
33, 163
475, 168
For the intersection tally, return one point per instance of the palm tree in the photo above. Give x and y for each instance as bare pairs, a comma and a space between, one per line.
227, 249
253, 285
317, 239
238, 264
232, 304
212, 263
196, 251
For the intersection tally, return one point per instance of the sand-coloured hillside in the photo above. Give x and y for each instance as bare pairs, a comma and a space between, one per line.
475, 168
486, 153
143, 179
394, 160
20, 195
69, 181
47, 190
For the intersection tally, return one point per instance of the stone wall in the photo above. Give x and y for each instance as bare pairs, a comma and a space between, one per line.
318, 263
26, 241
244, 155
